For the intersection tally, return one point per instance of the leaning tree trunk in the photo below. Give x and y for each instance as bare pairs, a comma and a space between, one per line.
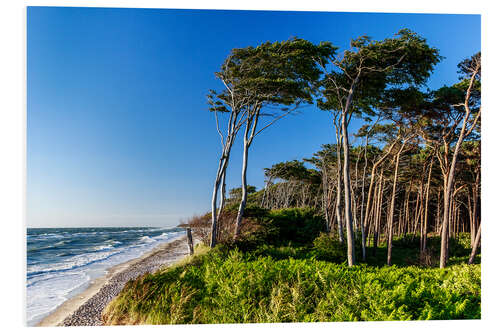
220, 178
247, 141
222, 195
221, 170
378, 215
475, 247
425, 227
449, 181
368, 200
244, 192
351, 259
363, 236
475, 197
390, 220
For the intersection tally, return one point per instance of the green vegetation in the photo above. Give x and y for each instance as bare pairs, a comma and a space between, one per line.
271, 278
355, 231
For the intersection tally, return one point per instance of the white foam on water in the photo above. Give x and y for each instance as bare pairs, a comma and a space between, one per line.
147, 239
72, 262
47, 294
50, 285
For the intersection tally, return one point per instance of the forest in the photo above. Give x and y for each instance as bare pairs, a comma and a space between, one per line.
382, 224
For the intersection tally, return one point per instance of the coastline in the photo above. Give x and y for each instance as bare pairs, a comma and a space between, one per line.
85, 309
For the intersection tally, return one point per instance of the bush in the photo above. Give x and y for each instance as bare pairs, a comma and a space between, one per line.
460, 246
327, 248
299, 225
409, 241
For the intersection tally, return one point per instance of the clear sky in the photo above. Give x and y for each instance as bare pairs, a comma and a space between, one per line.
118, 129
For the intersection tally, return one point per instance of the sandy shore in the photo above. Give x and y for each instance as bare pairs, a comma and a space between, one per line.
86, 308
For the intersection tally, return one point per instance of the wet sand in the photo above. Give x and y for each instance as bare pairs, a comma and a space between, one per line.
86, 308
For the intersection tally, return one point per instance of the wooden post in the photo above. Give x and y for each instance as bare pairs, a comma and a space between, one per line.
190, 241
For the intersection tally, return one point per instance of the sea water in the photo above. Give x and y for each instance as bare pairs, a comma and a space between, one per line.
61, 262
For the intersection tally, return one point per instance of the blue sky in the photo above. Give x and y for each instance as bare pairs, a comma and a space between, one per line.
118, 131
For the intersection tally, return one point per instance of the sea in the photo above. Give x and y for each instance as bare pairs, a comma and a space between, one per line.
61, 262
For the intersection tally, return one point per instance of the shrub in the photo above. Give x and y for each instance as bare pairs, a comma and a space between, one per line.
252, 226
300, 225
408, 241
200, 225
460, 246
327, 248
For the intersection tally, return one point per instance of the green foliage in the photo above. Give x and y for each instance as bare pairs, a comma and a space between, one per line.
409, 241
278, 227
235, 193
281, 73
373, 66
327, 248
460, 246
300, 225
229, 286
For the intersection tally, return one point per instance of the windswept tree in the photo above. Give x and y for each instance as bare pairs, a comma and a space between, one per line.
299, 186
356, 79
231, 101
328, 160
452, 116
381, 133
277, 78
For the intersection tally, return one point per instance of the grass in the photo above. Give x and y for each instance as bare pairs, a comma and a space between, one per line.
294, 281
230, 286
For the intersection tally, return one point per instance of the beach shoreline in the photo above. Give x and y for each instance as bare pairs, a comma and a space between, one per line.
85, 308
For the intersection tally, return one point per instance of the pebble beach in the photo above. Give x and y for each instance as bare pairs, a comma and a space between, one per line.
86, 308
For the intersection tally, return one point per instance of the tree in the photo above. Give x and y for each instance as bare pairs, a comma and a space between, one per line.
359, 77
235, 193
299, 187
230, 101
277, 78
451, 106
328, 160
384, 133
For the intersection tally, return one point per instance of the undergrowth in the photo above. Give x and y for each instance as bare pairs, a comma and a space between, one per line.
230, 286
303, 277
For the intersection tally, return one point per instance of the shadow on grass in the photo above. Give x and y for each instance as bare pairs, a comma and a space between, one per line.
405, 252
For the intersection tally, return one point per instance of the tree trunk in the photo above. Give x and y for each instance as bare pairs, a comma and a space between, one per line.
445, 226
351, 259
220, 172
425, 228
376, 228
391, 209
368, 200
244, 191
475, 247
222, 195
247, 141
407, 211
450, 177
339, 188
363, 237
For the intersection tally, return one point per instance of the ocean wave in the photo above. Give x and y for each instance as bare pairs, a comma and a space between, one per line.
47, 247
147, 239
46, 236
47, 293
101, 247
71, 263
49, 284
165, 235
